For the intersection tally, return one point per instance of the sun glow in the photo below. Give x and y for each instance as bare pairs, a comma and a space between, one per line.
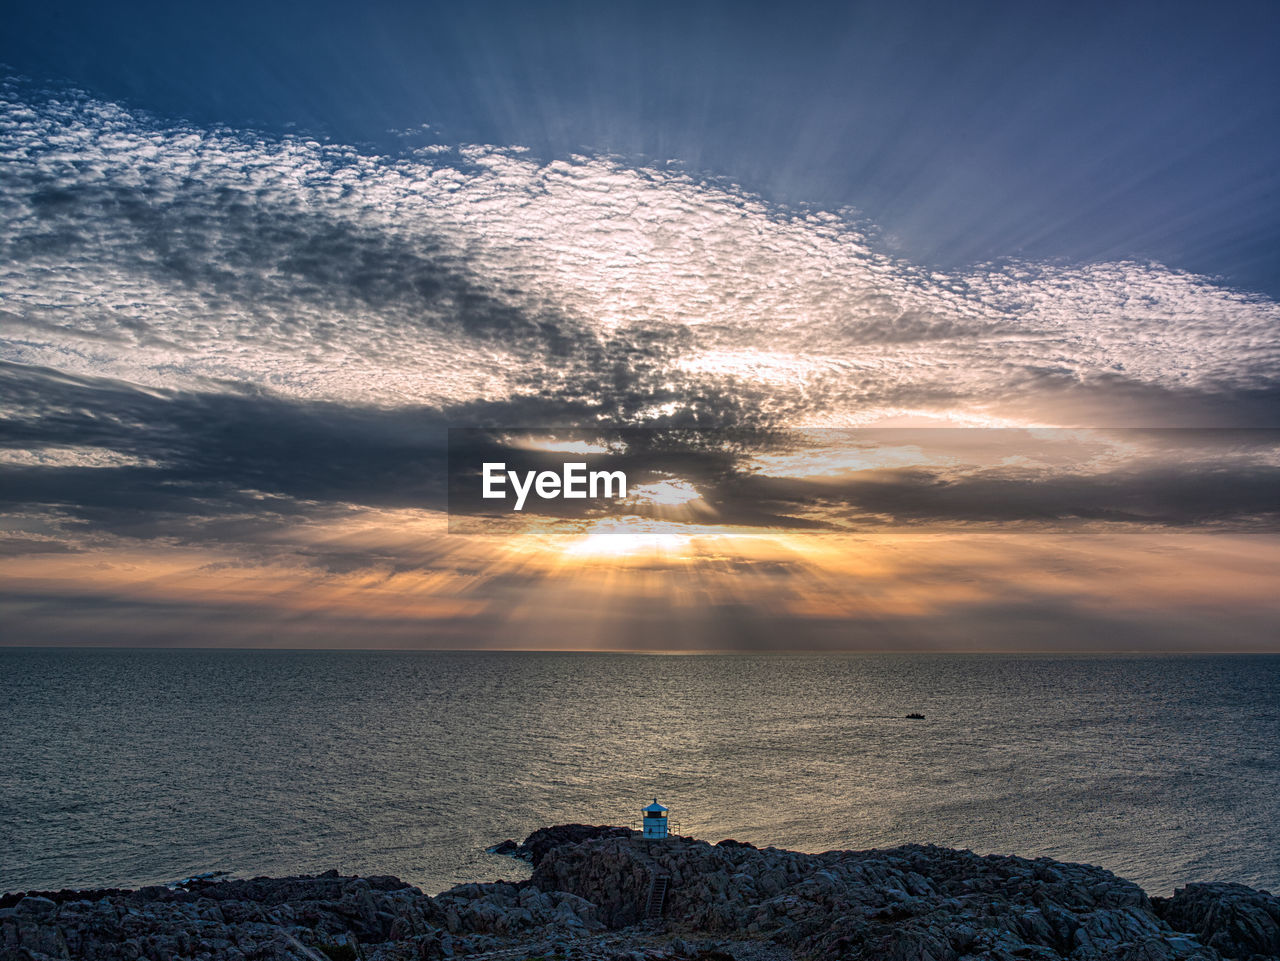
625, 536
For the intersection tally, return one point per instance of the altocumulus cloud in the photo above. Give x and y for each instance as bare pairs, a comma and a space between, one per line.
210, 260
214, 316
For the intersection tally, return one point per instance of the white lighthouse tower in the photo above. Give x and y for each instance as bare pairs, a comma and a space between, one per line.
655, 820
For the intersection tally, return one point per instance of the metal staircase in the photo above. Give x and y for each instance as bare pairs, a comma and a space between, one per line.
657, 897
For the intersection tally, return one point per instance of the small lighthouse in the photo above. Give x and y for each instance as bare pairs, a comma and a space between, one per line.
655, 820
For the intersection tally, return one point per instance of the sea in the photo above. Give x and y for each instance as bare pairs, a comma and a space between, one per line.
134, 767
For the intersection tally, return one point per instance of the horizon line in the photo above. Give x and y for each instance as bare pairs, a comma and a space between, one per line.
646, 653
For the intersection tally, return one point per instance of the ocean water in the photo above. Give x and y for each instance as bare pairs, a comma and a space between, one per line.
136, 767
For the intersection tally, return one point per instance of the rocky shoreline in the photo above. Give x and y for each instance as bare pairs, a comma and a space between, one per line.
601, 893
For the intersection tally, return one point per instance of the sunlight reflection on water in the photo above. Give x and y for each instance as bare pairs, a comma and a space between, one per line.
132, 767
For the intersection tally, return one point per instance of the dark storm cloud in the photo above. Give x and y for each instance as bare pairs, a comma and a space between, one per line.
1043, 479
212, 453
1196, 495
207, 453
235, 466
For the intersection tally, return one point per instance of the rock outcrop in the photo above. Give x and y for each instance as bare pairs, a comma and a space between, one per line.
544, 840
1238, 922
591, 887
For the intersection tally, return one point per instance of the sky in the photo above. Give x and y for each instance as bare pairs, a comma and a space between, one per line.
258, 259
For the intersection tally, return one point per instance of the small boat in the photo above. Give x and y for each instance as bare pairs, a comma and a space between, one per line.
915, 717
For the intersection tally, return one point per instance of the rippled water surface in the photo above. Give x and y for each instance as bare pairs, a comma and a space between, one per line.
132, 767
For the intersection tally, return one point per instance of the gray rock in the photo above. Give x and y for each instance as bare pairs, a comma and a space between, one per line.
36, 908
1237, 921
590, 886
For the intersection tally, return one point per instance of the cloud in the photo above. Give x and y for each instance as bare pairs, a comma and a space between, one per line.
227, 363
1042, 479
179, 257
